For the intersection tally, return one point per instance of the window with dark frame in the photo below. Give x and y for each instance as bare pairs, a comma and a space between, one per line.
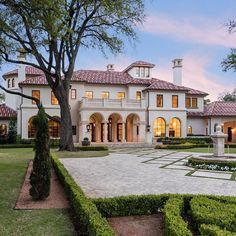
175, 102
105, 95
138, 95
73, 93
54, 100
35, 94
89, 94
159, 100
194, 103
188, 102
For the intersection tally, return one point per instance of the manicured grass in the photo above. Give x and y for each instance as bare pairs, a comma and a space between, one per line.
205, 150
81, 154
13, 163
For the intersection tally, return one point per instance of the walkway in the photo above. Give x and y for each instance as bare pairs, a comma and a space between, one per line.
146, 171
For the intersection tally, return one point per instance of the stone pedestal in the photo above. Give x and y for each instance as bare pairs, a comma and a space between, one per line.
149, 137
218, 142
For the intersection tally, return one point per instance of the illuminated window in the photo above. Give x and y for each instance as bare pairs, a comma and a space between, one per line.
175, 102
175, 128
138, 95
194, 103
190, 130
54, 100
188, 102
31, 128
105, 94
89, 94
159, 100
159, 128
3, 130
8, 83
121, 95
53, 128
35, 94
73, 94
13, 83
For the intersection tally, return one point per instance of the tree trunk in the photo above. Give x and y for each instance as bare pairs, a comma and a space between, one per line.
66, 136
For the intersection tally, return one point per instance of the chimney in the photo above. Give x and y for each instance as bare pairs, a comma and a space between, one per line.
177, 71
21, 67
110, 67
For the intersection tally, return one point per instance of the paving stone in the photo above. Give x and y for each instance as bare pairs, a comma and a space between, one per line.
211, 174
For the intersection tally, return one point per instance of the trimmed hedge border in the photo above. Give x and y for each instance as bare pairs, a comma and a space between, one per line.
174, 223
190, 139
91, 219
92, 148
181, 146
213, 230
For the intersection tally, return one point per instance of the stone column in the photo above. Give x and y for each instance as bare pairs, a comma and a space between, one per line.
105, 132
167, 130
115, 132
123, 133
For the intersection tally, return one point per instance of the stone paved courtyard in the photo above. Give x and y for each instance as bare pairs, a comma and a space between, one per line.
146, 171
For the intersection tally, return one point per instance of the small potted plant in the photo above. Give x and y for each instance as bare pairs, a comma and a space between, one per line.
86, 142
166, 140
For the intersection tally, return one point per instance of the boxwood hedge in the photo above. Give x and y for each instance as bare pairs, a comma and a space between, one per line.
213, 230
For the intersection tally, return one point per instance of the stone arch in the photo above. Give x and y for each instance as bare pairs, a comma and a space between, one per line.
31, 128
175, 127
159, 127
96, 123
132, 128
115, 129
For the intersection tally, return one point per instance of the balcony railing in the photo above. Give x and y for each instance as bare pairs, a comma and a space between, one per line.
111, 103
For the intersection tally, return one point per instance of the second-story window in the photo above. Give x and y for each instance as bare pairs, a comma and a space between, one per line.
121, 95
73, 93
54, 100
138, 95
13, 83
35, 94
147, 72
137, 72
105, 94
89, 94
142, 72
8, 83
188, 102
194, 103
175, 102
159, 100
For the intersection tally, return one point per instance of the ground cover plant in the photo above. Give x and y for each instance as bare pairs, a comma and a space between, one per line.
53, 222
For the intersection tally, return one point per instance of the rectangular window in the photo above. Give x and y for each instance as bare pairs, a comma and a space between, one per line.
138, 95
194, 103
137, 73
35, 94
73, 129
159, 100
142, 72
73, 93
188, 102
89, 94
175, 102
54, 100
105, 94
121, 95
147, 72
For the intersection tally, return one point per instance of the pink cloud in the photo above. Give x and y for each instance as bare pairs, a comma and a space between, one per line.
195, 29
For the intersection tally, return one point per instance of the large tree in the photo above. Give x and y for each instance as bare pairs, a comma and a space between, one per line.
228, 96
52, 32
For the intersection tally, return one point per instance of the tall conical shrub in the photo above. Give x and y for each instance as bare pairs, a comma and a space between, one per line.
41, 173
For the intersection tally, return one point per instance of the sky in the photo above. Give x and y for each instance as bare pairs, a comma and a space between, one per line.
192, 30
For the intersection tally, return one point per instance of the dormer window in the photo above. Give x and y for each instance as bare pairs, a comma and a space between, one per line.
142, 72
13, 83
8, 83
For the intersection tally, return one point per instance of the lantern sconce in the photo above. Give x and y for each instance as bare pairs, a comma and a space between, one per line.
88, 128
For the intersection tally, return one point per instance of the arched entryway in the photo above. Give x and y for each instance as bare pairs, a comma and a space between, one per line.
230, 129
96, 127
31, 128
54, 128
175, 128
132, 128
115, 128
159, 127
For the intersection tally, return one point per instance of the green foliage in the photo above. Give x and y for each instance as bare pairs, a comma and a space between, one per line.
209, 211
12, 134
228, 96
190, 139
91, 221
92, 148
41, 173
213, 230
174, 223
180, 146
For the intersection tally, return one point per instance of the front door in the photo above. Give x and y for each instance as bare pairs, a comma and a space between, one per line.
93, 132
119, 132
230, 134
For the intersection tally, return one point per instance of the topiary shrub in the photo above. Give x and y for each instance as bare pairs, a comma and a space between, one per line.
12, 134
41, 173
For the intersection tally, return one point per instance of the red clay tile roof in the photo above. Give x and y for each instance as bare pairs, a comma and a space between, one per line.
220, 109
139, 63
29, 70
195, 114
195, 92
6, 112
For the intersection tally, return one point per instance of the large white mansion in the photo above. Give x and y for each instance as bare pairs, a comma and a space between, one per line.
118, 106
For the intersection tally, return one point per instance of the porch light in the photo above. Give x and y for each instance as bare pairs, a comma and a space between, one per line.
109, 120
148, 128
88, 128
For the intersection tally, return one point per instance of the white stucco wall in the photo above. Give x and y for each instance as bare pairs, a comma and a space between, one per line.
198, 125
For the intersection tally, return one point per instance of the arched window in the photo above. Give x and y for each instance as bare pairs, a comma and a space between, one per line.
31, 128
8, 83
159, 128
190, 130
13, 83
3, 130
175, 128
54, 129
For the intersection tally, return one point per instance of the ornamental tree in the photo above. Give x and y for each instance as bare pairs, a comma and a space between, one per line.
52, 32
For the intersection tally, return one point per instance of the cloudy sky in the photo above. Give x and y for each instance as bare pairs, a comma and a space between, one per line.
192, 30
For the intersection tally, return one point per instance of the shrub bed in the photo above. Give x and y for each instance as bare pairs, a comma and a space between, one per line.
191, 139
213, 230
92, 222
212, 164
181, 146
208, 211
174, 223
92, 148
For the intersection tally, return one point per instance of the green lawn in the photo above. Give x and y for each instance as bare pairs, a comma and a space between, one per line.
205, 150
13, 163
